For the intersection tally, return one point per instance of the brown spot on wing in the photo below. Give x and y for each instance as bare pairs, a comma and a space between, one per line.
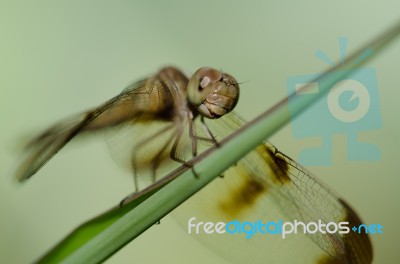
358, 246
243, 197
278, 162
283, 166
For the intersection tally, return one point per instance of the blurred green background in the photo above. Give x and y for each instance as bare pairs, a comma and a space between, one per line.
61, 57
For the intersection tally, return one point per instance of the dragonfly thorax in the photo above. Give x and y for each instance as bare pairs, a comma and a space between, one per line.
212, 92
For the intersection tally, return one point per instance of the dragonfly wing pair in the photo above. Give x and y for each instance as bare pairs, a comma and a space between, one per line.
149, 101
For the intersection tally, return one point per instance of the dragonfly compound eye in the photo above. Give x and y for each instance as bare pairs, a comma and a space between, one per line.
212, 92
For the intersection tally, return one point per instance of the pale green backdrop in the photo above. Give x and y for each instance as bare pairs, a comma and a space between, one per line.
60, 57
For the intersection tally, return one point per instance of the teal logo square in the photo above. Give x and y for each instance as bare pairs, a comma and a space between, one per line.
350, 106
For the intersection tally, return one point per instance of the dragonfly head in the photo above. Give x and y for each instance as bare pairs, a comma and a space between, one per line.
212, 92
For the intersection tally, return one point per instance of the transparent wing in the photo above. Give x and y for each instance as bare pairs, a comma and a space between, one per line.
143, 100
267, 185
41, 149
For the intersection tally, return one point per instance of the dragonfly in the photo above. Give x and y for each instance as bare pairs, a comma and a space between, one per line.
162, 121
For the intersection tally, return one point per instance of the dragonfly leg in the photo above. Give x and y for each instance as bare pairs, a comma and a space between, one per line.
143, 143
208, 132
157, 159
173, 153
135, 178
211, 138
192, 135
